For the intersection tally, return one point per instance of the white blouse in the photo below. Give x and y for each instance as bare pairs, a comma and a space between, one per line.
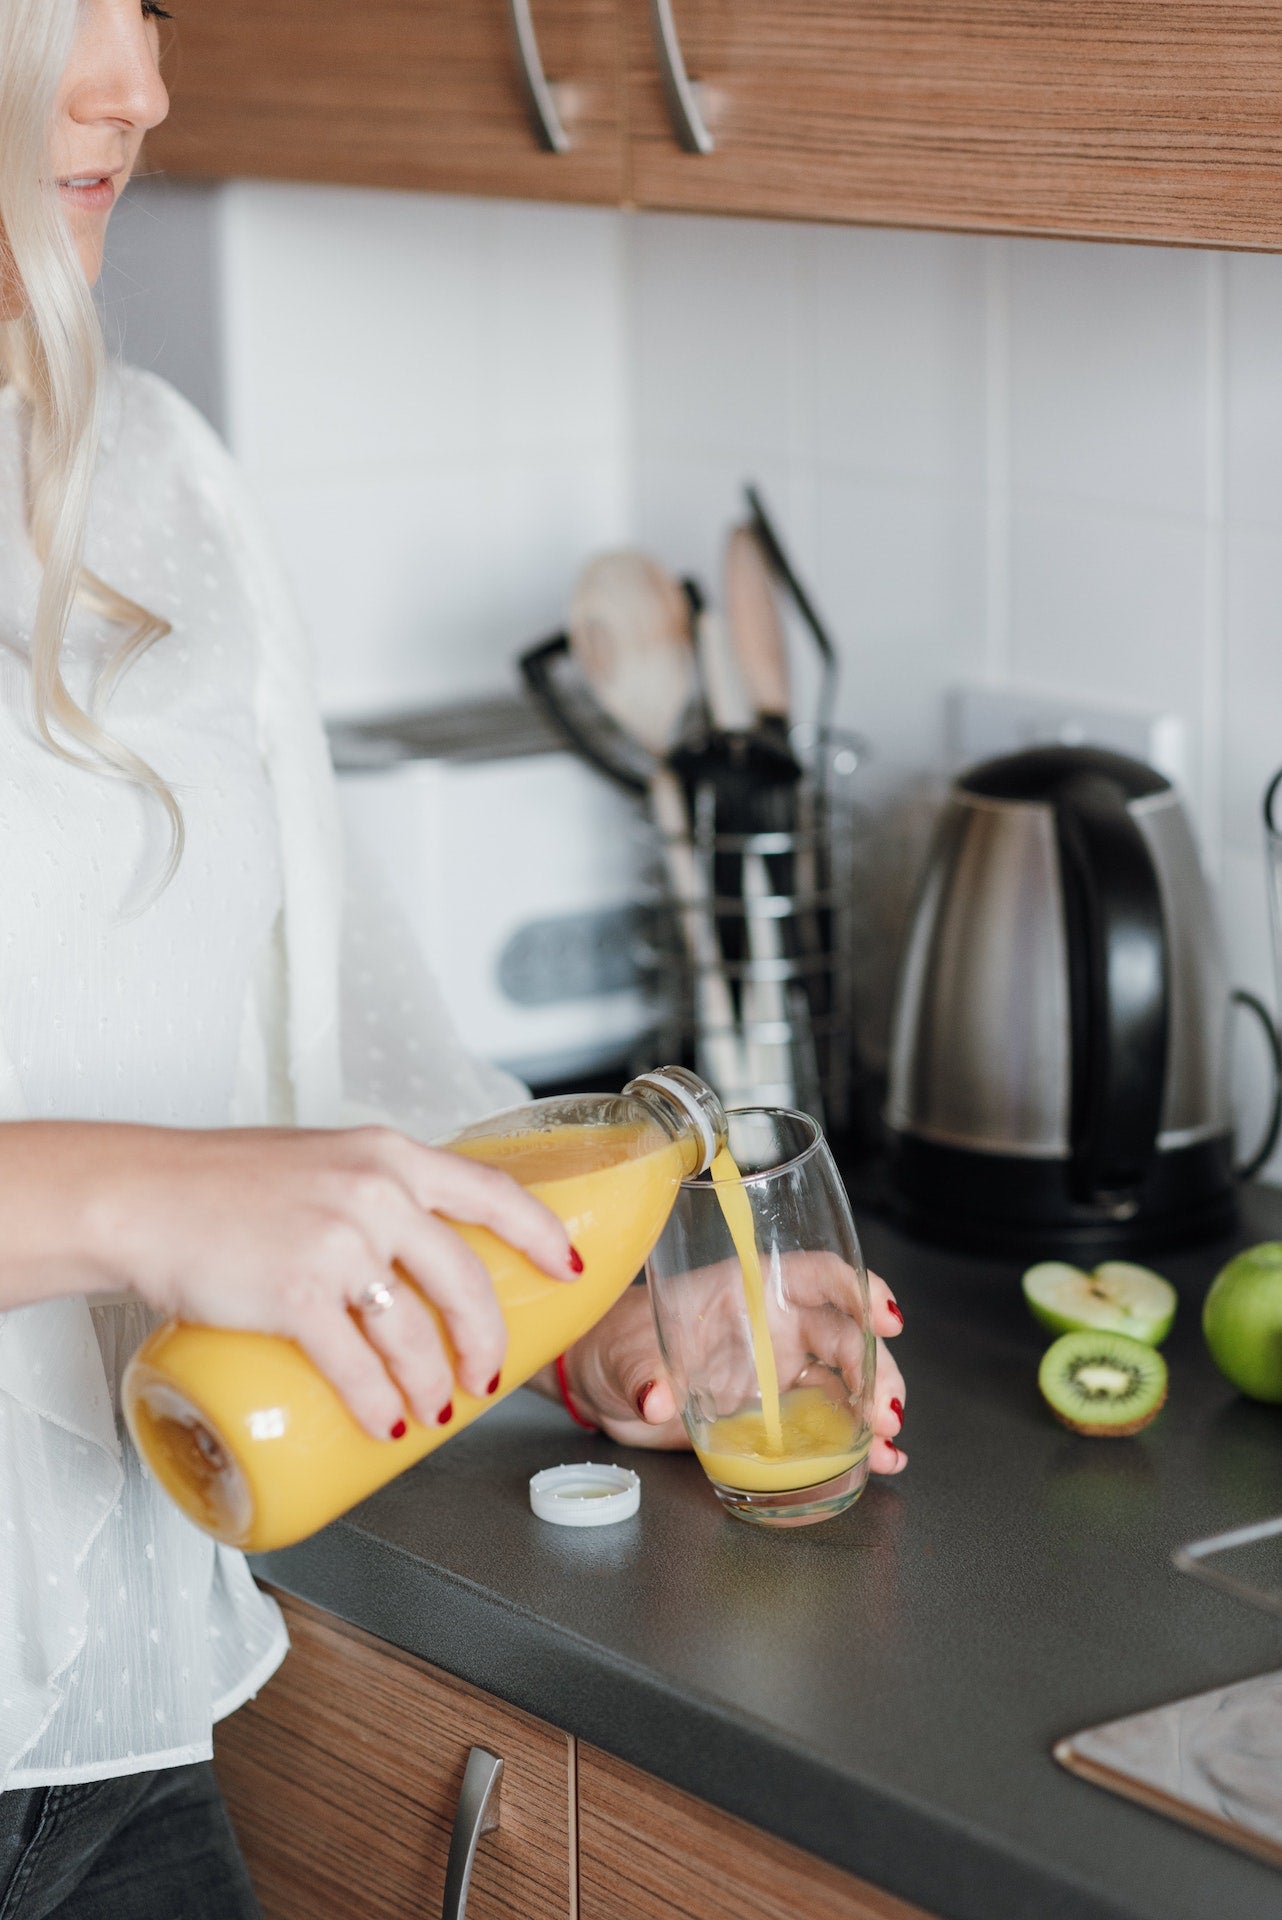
124, 1632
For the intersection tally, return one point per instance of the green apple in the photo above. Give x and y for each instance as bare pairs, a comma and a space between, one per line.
1116, 1298
1242, 1321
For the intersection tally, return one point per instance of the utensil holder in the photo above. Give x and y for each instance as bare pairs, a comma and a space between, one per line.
784, 940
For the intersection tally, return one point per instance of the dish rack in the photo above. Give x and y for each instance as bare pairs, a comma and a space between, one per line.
747, 942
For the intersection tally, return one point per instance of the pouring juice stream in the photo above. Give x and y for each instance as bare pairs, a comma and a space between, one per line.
797, 1439
737, 1210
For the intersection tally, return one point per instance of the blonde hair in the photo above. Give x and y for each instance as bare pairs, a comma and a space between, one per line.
53, 354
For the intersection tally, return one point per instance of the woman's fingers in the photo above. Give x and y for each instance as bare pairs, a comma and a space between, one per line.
658, 1406
332, 1341
830, 1336
889, 1397
401, 1198
467, 1190
407, 1339
616, 1377
452, 1279
887, 1457
887, 1320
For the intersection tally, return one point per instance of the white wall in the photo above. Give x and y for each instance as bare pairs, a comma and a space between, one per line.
1037, 463
429, 395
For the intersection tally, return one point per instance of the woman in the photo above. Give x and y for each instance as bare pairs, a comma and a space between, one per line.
175, 1105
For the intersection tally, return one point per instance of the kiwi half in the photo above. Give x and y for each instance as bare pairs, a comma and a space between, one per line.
1101, 1383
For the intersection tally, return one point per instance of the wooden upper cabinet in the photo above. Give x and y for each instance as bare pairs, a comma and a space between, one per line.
393, 93
1128, 119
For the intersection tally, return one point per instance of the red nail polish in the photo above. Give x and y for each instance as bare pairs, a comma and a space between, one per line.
893, 1448
576, 1260
892, 1307
399, 1430
494, 1385
897, 1408
643, 1396
446, 1414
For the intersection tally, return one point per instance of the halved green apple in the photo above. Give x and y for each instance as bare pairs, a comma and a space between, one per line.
1116, 1298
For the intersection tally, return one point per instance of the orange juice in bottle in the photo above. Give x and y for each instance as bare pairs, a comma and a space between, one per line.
254, 1443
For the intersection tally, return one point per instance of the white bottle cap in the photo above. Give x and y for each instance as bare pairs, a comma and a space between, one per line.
586, 1496
693, 1110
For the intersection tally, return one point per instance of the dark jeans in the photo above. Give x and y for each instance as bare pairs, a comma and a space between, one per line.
151, 1846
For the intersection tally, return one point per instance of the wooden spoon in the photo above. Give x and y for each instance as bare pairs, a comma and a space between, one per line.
760, 643
630, 631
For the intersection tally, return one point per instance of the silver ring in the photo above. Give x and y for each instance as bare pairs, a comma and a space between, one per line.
377, 1297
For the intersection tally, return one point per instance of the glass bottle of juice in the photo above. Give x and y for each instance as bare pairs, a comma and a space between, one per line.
254, 1443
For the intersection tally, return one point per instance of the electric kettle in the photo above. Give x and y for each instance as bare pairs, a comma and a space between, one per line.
1058, 1072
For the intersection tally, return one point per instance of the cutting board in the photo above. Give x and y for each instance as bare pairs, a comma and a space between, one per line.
1213, 1761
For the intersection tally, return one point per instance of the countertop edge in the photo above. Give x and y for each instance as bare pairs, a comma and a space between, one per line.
903, 1847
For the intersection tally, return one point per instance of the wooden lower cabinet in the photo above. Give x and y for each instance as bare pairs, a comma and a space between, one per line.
648, 1852
343, 1776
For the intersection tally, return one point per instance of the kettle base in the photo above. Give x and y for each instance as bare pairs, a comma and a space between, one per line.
1017, 1204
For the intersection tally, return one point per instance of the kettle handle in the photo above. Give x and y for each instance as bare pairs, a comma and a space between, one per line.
1273, 1041
1119, 990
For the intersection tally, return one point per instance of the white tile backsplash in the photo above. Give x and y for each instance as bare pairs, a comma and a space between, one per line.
425, 586
322, 376
904, 564
1254, 364
1253, 679
1110, 603
1108, 373
1024, 462
716, 360
431, 394
897, 375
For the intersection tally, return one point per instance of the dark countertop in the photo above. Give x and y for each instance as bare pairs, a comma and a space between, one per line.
883, 1689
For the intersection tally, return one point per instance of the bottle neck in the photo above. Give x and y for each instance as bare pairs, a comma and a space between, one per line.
688, 1111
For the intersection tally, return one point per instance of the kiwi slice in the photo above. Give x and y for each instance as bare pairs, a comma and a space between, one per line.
1102, 1383
1117, 1297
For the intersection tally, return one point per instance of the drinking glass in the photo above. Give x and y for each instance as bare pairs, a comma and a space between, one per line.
773, 1370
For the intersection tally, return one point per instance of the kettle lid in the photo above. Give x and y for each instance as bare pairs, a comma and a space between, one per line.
1038, 773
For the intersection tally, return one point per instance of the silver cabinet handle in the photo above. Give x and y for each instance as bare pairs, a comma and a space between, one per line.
477, 1815
683, 95
540, 94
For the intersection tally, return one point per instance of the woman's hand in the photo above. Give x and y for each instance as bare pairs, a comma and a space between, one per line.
616, 1379
281, 1231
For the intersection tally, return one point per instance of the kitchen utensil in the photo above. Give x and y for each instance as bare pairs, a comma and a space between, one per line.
772, 546
760, 644
761, 650
757, 554
819, 982
629, 630
1059, 1044
630, 633
753, 775
761, 1303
